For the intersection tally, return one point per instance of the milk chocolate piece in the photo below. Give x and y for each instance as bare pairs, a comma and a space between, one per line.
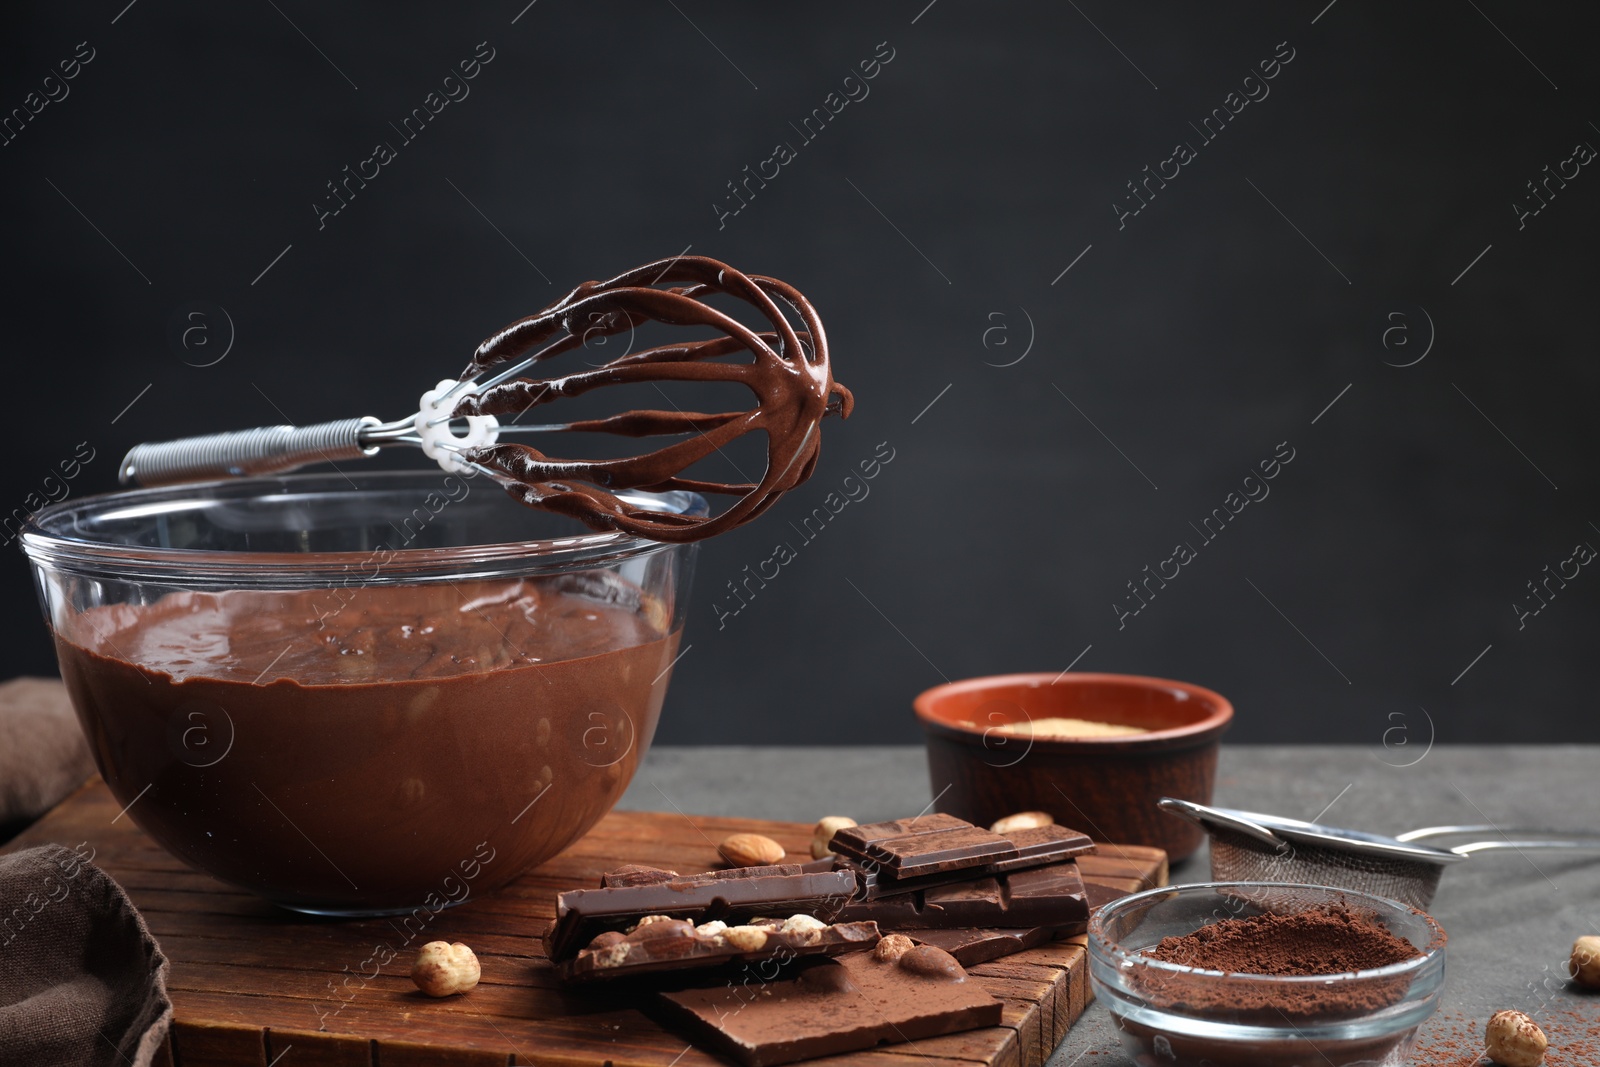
733, 896
1040, 896
971, 947
831, 1006
662, 944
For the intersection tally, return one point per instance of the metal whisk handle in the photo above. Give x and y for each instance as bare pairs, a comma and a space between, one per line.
265, 450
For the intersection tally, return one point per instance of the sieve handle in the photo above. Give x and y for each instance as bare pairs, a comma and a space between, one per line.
265, 450
1576, 844
1490, 828
1542, 837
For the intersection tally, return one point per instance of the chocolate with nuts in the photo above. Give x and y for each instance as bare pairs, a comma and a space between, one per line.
733, 896
659, 943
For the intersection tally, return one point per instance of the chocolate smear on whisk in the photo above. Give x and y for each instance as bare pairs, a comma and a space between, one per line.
788, 370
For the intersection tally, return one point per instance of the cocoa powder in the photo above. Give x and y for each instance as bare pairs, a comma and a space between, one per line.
1323, 941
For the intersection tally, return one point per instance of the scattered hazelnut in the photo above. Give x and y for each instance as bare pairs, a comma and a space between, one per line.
892, 946
822, 835
1585, 964
1514, 1040
746, 938
1022, 820
442, 969
750, 850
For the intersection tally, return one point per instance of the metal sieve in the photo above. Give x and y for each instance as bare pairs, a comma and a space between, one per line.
1249, 846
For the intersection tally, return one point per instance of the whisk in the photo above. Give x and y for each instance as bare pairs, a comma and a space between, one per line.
457, 423
1248, 846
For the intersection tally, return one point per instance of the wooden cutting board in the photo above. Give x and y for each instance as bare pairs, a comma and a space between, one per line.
255, 986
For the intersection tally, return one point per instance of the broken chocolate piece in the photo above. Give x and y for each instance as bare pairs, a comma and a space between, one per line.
1039, 845
858, 837
930, 844
732, 896
635, 874
659, 943
1095, 894
1039, 896
1035, 847
971, 947
831, 1006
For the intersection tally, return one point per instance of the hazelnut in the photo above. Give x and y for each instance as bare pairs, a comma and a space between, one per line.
1022, 820
612, 954
822, 835
892, 946
746, 938
750, 850
1585, 964
1514, 1040
806, 929
442, 969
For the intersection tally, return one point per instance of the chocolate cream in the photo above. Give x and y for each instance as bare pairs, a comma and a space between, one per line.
284, 735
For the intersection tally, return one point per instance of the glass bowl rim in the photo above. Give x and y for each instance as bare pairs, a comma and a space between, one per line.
63, 551
1110, 952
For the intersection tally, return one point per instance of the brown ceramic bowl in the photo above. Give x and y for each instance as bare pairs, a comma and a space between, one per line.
1105, 786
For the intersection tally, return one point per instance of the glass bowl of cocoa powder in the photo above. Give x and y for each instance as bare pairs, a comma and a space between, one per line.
1259, 974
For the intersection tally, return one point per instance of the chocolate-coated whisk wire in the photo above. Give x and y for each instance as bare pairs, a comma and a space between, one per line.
457, 422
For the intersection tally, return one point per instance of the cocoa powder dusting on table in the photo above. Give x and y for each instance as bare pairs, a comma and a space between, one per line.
1455, 1038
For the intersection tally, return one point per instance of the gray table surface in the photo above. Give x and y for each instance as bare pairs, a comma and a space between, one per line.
1511, 917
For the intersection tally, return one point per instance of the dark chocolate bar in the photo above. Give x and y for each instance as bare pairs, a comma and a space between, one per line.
930, 823
659, 944
1096, 895
930, 844
1038, 896
1036, 847
635, 874
829, 1006
971, 947
1040, 845
732, 896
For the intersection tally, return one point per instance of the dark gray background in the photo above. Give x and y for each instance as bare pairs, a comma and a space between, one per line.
930, 222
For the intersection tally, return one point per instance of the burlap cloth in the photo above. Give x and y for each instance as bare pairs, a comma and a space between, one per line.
82, 982
43, 756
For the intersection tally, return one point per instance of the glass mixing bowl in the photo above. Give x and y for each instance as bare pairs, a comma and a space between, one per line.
363, 694
1168, 1015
